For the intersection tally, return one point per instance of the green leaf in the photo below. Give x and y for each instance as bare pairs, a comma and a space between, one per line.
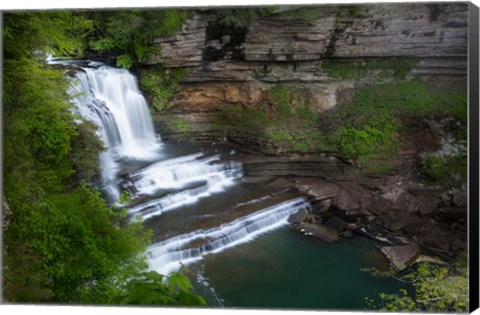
185, 298
124, 61
177, 281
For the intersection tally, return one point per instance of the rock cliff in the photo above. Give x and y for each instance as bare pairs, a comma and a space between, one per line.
291, 46
326, 53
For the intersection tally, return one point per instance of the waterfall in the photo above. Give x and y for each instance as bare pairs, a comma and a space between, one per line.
111, 99
166, 256
180, 172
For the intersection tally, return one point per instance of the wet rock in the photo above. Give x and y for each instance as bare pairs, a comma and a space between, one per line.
313, 219
402, 223
413, 228
347, 234
452, 213
298, 217
401, 256
335, 223
353, 200
317, 188
424, 205
401, 203
427, 205
319, 231
393, 187
459, 198
379, 205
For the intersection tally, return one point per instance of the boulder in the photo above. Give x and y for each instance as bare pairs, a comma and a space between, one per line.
353, 201
401, 256
324, 233
335, 223
298, 216
424, 205
427, 205
459, 198
404, 222
452, 213
401, 203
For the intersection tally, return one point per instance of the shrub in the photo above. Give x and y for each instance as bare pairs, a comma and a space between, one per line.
283, 98
379, 112
435, 289
447, 170
162, 84
151, 288
128, 34
375, 138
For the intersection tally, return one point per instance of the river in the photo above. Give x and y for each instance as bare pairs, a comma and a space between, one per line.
231, 231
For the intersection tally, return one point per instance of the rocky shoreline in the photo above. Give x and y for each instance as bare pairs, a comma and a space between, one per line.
393, 212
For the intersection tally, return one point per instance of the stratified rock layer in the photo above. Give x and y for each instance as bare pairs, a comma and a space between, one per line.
292, 45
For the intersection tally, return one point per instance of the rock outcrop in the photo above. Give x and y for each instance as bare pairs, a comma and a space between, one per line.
293, 45
300, 48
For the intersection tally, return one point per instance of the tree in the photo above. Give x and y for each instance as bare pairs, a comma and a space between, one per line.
436, 289
128, 35
151, 288
62, 243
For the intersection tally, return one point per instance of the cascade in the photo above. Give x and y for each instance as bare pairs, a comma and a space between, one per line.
168, 184
111, 99
167, 255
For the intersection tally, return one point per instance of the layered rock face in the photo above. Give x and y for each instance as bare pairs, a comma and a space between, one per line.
291, 46
298, 48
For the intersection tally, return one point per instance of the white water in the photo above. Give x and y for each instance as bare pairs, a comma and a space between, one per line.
167, 256
174, 201
180, 172
111, 99
115, 102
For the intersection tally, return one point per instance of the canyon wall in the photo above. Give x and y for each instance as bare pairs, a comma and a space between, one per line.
292, 46
326, 53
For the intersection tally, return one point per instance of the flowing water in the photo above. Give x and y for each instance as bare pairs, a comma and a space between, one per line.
230, 230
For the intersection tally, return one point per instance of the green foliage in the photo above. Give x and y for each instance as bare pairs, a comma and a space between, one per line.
292, 102
246, 116
381, 168
267, 11
86, 147
233, 18
63, 244
445, 169
282, 97
375, 68
180, 125
297, 140
151, 288
370, 126
128, 34
37, 34
286, 119
302, 13
125, 197
356, 10
162, 84
436, 289
280, 136
375, 138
